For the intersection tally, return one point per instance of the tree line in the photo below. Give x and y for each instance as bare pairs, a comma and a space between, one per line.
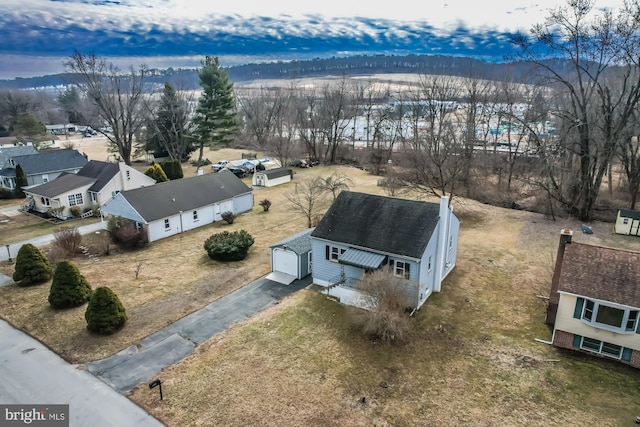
564, 131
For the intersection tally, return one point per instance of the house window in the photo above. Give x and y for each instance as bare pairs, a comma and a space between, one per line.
601, 347
128, 173
45, 178
609, 317
75, 199
166, 224
195, 216
450, 242
429, 264
625, 221
401, 269
114, 193
334, 252
11, 162
45, 201
94, 197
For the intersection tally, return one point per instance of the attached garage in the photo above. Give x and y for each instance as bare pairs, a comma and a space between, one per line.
291, 258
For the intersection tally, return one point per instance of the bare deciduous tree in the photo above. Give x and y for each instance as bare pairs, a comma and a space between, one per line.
591, 62
118, 98
308, 197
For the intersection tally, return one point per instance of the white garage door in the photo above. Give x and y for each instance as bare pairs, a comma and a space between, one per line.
285, 262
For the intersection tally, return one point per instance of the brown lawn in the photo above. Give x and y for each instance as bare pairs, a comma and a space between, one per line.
471, 358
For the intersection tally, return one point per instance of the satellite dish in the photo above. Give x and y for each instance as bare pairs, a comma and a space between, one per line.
586, 229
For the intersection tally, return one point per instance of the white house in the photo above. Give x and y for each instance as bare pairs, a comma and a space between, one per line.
360, 233
173, 207
93, 185
271, 177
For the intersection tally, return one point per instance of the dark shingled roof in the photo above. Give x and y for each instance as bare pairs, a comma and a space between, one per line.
8, 152
603, 273
626, 213
168, 198
298, 243
103, 172
384, 224
277, 173
62, 184
50, 161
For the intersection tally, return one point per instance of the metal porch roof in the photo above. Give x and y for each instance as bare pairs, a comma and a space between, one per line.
362, 259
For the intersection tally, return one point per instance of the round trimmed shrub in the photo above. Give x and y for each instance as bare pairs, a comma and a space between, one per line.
228, 246
32, 267
105, 313
69, 288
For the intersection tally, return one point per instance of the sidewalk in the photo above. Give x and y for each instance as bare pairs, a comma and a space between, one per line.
40, 240
141, 362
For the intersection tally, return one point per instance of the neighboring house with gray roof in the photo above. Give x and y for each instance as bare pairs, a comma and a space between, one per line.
271, 177
41, 167
594, 304
291, 258
172, 207
12, 151
361, 233
93, 185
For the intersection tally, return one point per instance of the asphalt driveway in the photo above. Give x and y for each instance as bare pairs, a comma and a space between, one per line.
140, 363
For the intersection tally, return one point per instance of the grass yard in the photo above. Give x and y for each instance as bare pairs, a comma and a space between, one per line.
471, 358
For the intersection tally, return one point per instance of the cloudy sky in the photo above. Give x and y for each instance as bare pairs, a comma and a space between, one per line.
36, 35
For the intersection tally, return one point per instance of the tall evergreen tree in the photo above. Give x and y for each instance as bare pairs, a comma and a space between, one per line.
168, 128
216, 113
21, 181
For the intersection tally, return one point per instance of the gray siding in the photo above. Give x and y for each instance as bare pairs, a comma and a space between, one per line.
324, 271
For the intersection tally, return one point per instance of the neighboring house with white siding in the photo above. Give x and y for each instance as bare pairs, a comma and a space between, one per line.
594, 304
93, 185
360, 233
173, 207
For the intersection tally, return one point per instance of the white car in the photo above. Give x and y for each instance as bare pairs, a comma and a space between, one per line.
218, 166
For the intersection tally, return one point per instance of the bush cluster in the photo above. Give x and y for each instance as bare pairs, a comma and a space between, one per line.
156, 172
229, 246
68, 240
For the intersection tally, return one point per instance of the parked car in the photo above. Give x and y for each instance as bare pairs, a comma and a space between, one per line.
239, 172
218, 166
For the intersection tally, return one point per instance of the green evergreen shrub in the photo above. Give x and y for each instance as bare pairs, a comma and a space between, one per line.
105, 313
173, 169
156, 172
32, 266
69, 288
228, 246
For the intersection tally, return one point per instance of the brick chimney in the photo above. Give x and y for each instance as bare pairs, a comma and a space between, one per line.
554, 297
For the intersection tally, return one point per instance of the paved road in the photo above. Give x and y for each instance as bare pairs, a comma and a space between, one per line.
30, 373
140, 363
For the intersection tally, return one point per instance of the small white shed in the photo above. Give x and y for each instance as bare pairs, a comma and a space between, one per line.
627, 222
291, 258
271, 177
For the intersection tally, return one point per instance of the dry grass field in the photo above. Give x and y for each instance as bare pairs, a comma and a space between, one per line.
471, 358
